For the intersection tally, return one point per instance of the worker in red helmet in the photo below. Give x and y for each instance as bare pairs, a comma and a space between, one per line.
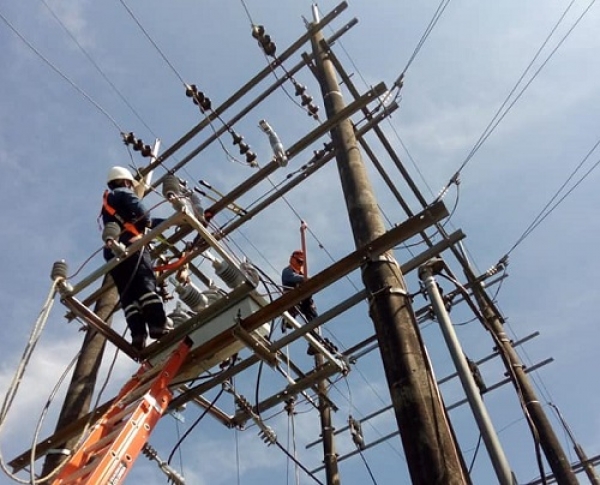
134, 277
291, 277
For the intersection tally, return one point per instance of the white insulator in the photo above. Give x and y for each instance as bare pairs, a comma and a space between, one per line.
179, 315
59, 270
197, 206
251, 273
171, 186
192, 297
111, 231
231, 276
213, 295
276, 145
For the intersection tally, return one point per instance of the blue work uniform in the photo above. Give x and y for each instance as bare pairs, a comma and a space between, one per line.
291, 279
134, 277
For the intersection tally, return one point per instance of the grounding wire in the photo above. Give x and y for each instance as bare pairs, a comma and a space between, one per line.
60, 73
501, 112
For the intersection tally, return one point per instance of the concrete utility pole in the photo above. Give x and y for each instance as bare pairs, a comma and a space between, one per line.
81, 388
555, 455
490, 438
431, 452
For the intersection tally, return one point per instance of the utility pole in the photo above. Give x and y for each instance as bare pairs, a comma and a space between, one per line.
490, 438
536, 416
81, 388
332, 473
431, 451
583, 458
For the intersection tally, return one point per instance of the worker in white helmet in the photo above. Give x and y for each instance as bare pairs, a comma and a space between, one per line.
134, 277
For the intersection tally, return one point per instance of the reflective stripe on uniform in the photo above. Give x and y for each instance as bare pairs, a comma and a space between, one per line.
149, 299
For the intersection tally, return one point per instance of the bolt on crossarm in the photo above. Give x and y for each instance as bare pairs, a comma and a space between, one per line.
555, 455
430, 449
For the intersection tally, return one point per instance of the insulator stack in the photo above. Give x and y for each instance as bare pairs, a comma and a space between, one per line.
244, 148
306, 101
111, 231
179, 315
137, 144
59, 270
231, 276
264, 40
171, 186
198, 97
192, 297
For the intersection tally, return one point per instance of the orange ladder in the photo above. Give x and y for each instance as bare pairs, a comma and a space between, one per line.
117, 438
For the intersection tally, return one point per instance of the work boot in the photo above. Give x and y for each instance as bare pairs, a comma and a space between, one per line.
157, 333
138, 342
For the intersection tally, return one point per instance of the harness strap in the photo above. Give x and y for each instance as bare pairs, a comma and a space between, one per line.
128, 226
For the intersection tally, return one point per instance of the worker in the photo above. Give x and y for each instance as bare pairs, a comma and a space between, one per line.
134, 277
291, 276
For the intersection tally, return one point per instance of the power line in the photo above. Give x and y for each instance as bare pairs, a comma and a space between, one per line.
98, 68
59, 72
500, 114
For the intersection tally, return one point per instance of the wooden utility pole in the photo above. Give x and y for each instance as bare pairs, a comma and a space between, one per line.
536, 416
332, 473
81, 388
430, 449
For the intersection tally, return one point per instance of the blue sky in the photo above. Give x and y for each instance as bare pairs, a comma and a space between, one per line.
57, 143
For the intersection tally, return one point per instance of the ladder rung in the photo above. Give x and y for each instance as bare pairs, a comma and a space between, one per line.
102, 443
128, 409
79, 474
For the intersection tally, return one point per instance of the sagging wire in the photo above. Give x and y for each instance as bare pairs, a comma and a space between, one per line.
34, 337
549, 208
500, 114
33, 480
194, 424
203, 102
269, 49
398, 83
97, 67
60, 73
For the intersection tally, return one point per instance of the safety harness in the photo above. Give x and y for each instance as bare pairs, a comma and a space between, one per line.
128, 226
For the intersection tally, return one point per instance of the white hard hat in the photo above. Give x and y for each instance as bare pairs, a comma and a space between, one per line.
119, 173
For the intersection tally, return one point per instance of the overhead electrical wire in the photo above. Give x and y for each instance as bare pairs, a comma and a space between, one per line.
502, 112
97, 67
60, 73
551, 205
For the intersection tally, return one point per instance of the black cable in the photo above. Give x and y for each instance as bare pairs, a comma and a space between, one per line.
194, 424
367, 466
475, 454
